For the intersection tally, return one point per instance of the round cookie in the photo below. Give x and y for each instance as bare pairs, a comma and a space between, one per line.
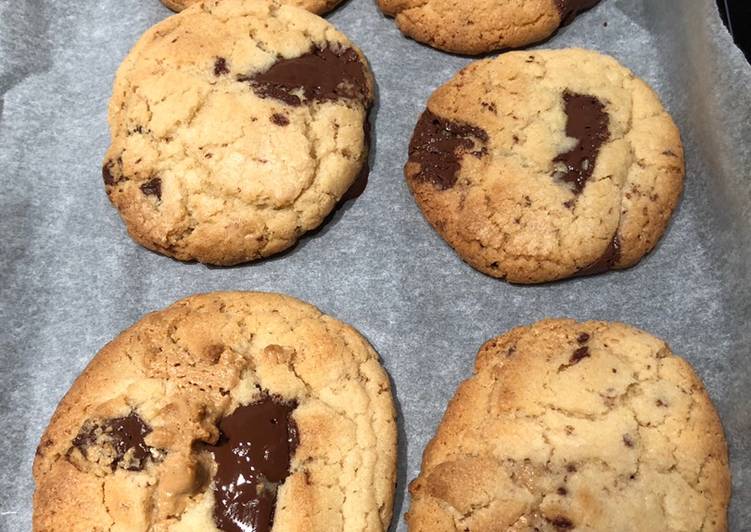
537, 166
226, 411
575, 426
314, 6
479, 26
236, 127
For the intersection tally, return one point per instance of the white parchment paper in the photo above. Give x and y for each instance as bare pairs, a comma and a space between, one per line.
71, 279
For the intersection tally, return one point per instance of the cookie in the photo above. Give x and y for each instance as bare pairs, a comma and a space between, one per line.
481, 26
575, 426
537, 166
236, 127
315, 6
226, 411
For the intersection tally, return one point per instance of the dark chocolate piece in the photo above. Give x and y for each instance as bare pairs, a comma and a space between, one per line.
583, 338
253, 457
606, 261
107, 175
280, 119
220, 67
125, 434
323, 74
570, 8
562, 523
356, 189
587, 121
438, 145
579, 354
153, 187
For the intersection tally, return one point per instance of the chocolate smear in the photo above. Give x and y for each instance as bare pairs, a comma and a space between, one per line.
570, 8
579, 355
606, 262
587, 122
125, 435
253, 457
438, 146
322, 74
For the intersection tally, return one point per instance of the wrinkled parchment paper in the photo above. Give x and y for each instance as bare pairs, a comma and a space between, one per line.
71, 279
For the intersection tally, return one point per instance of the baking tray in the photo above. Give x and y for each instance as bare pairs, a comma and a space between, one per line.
71, 279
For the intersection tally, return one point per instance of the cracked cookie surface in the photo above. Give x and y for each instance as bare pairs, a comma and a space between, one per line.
237, 125
247, 410
318, 7
537, 166
575, 426
479, 26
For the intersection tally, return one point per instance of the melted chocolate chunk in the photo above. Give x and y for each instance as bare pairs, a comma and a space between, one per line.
280, 119
438, 145
579, 354
606, 261
323, 74
570, 8
220, 67
153, 187
587, 122
253, 456
125, 435
356, 189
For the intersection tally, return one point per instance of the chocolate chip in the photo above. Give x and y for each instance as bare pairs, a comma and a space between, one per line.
583, 338
570, 8
562, 491
571, 468
322, 74
606, 261
562, 523
587, 122
579, 355
107, 172
438, 145
220, 67
153, 187
125, 435
628, 440
280, 119
253, 456
661, 403
568, 203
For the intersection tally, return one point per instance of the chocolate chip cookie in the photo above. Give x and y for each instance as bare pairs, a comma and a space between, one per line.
537, 166
315, 6
575, 426
226, 411
479, 26
236, 127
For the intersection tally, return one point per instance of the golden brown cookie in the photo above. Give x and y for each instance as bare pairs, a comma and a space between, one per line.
227, 411
478, 26
575, 426
236, 128
537, 166
318, 7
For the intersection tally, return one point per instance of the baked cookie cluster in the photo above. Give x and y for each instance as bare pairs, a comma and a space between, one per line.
237, 126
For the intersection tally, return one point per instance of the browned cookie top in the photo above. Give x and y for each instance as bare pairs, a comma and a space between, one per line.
478, 26
236, 127
575, 426
542, 165
226, 411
